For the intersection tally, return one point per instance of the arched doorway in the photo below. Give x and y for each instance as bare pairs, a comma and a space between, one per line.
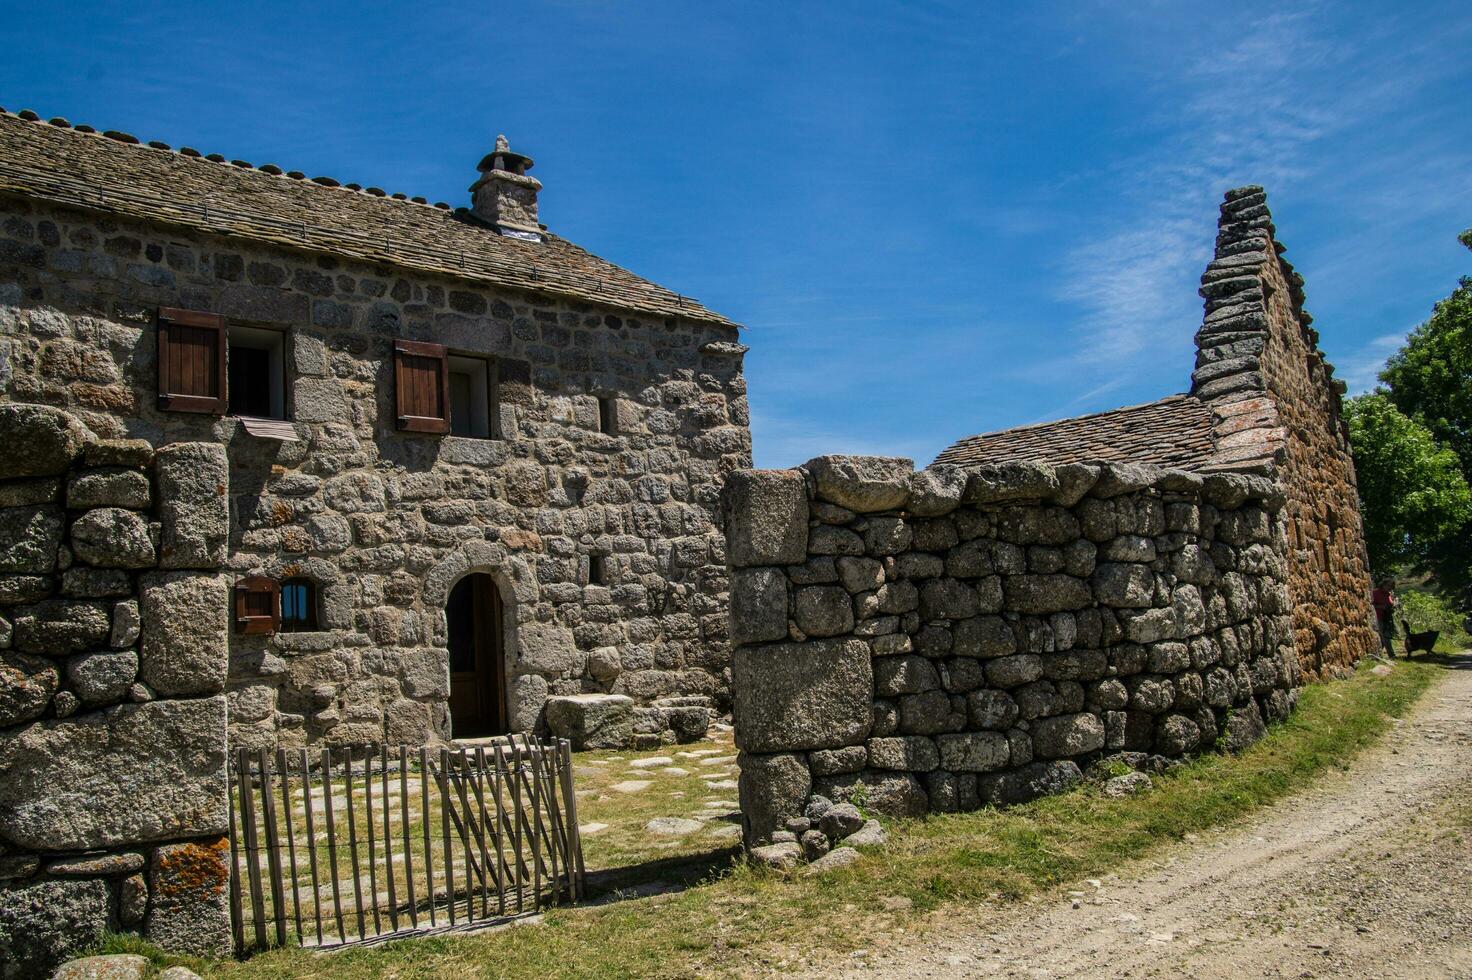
477, 660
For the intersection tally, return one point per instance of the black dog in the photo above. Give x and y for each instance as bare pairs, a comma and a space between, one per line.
1419, 642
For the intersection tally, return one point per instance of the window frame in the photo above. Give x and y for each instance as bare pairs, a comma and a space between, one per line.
457, 364
274, 343
311, 621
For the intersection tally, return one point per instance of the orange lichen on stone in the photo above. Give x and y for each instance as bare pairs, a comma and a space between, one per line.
192, 868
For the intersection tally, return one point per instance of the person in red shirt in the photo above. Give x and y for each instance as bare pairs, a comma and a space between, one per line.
1383, 600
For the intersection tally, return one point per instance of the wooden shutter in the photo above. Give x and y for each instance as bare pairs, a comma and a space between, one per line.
257, 605
191, 362
422, 386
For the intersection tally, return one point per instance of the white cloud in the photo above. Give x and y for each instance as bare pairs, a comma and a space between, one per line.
1362, 369
1259, 110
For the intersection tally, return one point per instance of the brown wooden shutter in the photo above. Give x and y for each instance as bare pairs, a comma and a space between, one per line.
422, 386
191, 362
257, 605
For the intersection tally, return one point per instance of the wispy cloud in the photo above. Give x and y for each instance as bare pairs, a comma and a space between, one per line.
1362, 370
1256, 110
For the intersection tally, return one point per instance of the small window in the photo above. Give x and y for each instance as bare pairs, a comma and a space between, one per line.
597, 570
607, 415
298, 605
257, 373
472, 397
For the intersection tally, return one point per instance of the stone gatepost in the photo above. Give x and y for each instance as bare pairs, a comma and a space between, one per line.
114, 622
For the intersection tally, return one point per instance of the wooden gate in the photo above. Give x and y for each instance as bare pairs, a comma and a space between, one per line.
350, 845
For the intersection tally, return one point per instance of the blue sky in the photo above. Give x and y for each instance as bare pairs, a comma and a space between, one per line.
935, 219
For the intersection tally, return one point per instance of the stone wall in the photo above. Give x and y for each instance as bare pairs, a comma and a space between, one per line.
952, 638
385, 521
1260, 367
113, 662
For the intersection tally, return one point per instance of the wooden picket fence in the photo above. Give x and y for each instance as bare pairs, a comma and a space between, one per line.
355, 845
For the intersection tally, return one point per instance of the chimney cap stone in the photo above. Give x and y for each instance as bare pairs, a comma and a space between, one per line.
501, 158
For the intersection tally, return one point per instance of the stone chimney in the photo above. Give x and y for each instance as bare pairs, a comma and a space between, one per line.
505, 197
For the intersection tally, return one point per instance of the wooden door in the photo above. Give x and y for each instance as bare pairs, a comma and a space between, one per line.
477, 666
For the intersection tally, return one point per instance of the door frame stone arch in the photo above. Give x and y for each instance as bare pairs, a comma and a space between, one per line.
516, 584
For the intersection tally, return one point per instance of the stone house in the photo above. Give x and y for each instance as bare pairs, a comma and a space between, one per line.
471, 467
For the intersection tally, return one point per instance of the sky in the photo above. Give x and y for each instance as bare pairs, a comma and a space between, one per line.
932, 219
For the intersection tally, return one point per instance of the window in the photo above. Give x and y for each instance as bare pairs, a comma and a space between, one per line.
472, 397
257, 605
257, 373
607, 415
597, 570
421, 386
191, 362
298, 605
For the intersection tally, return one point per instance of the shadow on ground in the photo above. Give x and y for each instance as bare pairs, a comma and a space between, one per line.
660, 877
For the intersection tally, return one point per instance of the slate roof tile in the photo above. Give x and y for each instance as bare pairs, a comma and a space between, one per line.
72, 167
1173, 432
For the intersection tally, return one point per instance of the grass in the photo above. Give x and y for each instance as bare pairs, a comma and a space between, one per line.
739, 918
615, 801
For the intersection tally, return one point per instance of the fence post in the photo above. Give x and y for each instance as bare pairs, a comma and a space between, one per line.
311, 843
575, 835
273, 854
252, 848
237, 911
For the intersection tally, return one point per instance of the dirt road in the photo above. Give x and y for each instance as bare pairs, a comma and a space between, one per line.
1369, 874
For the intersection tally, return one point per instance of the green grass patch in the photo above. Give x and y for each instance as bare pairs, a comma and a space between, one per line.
739, 917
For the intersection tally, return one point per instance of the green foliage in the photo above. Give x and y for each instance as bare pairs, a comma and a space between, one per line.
1426, 611
1416, 500
1430, 378
1430, 381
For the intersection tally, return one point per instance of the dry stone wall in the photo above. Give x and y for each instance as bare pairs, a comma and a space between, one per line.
385, 522
1260, 368
948, 639
113, 662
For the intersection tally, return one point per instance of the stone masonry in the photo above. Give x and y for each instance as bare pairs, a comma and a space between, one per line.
113, 661
620, 407
1153, 580
1260, 369
959, 637
1263, 401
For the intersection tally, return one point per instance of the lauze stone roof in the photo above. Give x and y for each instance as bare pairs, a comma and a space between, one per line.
113, 173
1174, 432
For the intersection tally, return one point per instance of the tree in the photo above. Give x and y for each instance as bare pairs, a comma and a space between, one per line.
1416, 503
1430, 378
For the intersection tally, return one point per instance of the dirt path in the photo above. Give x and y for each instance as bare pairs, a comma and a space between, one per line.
1368, 874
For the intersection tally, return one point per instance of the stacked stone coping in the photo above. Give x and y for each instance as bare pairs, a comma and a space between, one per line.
386, 522
953, 638
113, 660
1276, 405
